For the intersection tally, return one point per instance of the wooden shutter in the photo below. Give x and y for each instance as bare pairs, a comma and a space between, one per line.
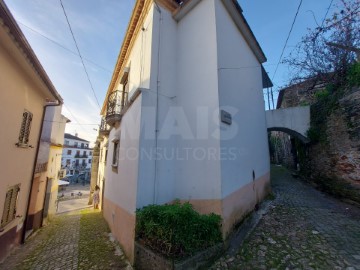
9, 211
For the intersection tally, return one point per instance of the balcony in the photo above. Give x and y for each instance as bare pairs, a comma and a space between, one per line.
115, 105
41, 167
81, 156
104, 127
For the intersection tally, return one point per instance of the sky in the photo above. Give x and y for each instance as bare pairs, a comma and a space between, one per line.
99, 27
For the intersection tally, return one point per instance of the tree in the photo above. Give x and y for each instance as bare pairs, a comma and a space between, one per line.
327, 52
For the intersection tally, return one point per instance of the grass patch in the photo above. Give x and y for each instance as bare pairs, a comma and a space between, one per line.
95, 249
177, 230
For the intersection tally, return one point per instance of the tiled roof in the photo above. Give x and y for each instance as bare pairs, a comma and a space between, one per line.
72, 137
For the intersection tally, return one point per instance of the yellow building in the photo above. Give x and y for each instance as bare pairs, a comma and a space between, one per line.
25, 93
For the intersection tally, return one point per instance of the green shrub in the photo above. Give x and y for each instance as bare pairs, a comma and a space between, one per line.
176, 230
354, 75
322, 94
313, 134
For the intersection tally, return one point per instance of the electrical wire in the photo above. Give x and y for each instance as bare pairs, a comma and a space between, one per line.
62, 46
74, 117
327, 11
287, 39
82, 124
82, 61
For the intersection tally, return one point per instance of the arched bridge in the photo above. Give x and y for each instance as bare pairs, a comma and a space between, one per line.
294, 121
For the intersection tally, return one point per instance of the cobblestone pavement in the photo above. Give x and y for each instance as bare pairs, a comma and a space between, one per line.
303, 229
77, 240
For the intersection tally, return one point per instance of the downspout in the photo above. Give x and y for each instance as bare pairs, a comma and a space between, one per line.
157, 107
33, 170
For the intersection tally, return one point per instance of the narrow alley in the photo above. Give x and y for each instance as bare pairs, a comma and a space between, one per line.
303, 229
75, 240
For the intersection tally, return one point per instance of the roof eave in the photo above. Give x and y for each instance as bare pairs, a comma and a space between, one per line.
235, 12
19, 37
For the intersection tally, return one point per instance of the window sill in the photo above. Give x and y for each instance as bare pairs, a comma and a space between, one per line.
21, 145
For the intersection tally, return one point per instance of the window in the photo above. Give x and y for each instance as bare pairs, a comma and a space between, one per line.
69, 152
115, 158
68, 161
82, 145
89, 161
66, 142
106, 152
90, 153
75, 144
9, 212
84, 153
78, 153
25, 129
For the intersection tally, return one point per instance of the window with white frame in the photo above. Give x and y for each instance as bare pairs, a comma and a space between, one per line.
9, 211
25, 129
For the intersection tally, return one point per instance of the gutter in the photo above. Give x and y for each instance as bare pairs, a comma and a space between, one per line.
23, 236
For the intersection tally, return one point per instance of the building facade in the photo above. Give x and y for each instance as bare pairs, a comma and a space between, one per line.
186, 115
77, 155
25, 93
44, 191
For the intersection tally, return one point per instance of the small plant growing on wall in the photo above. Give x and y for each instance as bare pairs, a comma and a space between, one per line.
176, 230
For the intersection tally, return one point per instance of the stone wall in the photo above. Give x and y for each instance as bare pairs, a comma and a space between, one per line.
339, 156
334, 161
146, 259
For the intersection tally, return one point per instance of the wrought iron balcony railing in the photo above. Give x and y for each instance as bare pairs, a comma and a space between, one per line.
81, 156
42, 167
104, 127
115, 104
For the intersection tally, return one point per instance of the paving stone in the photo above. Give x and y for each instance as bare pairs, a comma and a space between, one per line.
303, 229
54, 247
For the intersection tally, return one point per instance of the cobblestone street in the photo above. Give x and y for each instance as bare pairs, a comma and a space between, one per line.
303, 229
77, 240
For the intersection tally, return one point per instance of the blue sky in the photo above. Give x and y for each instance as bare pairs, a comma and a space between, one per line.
99, 27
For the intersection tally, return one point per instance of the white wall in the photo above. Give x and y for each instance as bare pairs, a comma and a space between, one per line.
121, 181
162, 81
240, 92
198, 90
140, 58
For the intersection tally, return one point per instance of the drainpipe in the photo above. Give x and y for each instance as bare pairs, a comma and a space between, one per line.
157, 107
58, 103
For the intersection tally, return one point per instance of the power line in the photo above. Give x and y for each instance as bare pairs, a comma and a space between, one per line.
82, 61
287, 39
62, 46
327, 11
82, 124
74, 117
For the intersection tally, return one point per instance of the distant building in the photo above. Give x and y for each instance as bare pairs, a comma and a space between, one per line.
27, 97
76, 155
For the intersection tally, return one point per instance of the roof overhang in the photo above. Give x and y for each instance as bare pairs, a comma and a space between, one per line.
236, 13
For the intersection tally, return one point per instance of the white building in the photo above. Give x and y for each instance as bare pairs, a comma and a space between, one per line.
76, 155
187, 115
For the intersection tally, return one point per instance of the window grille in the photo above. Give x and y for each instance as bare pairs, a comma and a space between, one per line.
9, 211
25, 128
